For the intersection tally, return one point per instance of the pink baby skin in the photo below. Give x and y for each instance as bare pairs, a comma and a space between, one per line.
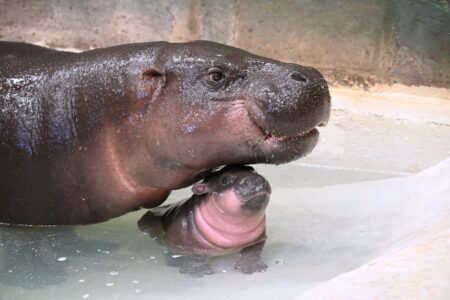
225, 215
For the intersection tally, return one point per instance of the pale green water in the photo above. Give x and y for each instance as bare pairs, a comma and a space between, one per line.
315, 233
114, 260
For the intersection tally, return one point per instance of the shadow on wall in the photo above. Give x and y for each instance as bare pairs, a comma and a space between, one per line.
352, 42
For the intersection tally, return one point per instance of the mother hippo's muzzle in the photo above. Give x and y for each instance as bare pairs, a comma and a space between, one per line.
291, 101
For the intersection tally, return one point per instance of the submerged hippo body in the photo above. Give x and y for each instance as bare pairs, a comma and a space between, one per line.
225, 215
88, 136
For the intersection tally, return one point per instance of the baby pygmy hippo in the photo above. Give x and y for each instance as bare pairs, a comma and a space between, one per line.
225, 215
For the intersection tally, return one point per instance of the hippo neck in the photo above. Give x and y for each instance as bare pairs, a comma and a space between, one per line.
227, 231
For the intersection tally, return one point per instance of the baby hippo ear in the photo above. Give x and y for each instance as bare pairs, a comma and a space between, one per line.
200, 188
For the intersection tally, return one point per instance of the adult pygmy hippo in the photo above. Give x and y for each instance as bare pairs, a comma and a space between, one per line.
225, 215
88, 136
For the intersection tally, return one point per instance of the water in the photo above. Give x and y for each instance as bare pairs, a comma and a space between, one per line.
316, 233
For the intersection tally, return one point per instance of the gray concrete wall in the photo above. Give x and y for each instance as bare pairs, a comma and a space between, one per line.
353, 42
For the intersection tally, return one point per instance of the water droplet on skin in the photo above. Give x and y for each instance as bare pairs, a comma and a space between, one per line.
81, 280
62, 259
110, 284
86, 296
113, 273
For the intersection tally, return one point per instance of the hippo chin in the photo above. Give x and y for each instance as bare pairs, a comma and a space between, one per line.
225, 215
89, 136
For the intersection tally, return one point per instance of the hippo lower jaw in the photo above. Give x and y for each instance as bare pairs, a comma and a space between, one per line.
257, 202
276, 148
270, 137
281, 149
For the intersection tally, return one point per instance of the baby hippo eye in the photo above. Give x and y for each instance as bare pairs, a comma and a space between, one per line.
226, 180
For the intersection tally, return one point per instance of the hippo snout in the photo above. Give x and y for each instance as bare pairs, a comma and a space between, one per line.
257, 202
293, 103
304, 74
253, 185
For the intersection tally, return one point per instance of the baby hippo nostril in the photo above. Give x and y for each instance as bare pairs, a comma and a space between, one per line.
299, 77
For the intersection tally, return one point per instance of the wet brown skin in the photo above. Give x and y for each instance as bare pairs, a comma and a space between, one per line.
88, 136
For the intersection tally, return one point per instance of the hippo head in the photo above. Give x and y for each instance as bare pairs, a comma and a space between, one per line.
214, 105
231, 207
236, 190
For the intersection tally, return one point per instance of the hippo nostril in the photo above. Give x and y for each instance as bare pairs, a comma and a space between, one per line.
299, 77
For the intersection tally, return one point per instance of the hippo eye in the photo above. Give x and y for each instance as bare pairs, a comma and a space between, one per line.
215, 77
226, 180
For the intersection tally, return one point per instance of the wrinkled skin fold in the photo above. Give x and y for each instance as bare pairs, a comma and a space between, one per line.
88, 136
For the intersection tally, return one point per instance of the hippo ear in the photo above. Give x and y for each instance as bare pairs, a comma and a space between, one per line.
156, 78
200, 188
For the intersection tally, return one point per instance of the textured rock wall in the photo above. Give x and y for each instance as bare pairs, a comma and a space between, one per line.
353, 42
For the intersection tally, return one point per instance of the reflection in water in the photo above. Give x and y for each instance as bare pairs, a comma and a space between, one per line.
34, 257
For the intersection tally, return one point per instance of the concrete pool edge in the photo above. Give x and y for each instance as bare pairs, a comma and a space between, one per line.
415, 263
416, 103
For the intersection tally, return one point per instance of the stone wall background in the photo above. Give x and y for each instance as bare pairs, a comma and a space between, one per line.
353, 42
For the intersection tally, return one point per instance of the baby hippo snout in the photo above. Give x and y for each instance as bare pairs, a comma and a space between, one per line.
251, 184
255, 190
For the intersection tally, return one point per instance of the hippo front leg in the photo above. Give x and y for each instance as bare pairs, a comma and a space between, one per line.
250, 260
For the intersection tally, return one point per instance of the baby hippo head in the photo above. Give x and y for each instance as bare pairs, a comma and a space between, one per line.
236, 190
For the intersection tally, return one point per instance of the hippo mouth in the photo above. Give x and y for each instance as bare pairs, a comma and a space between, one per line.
269, 137
257, 202
277, 149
